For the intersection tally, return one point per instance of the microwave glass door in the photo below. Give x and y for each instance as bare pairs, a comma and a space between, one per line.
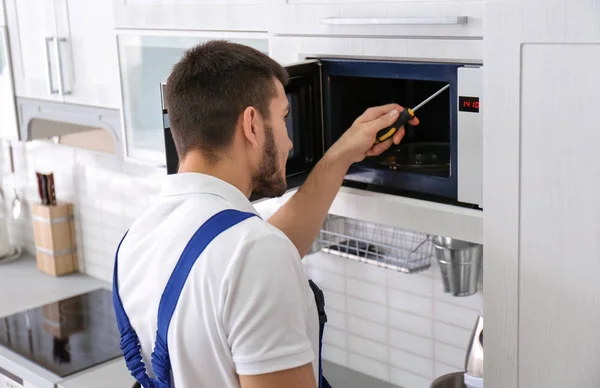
423, 164
304, 122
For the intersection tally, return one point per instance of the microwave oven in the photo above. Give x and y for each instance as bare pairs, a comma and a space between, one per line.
438, 160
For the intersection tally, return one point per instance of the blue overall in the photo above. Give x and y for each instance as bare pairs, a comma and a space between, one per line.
161, 364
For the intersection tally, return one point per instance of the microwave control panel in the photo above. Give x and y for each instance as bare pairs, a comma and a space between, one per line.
470, 135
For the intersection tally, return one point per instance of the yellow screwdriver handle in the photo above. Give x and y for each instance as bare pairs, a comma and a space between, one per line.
386, 133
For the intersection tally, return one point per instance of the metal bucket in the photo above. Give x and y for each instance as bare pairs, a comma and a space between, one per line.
451, 380
460, 263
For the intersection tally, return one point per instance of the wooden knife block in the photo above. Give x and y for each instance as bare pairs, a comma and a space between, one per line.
54, 235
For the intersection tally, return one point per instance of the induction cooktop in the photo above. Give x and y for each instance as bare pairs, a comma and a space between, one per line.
67, 336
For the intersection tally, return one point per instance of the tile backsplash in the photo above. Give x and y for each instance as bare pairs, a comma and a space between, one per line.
107, 195
396, 327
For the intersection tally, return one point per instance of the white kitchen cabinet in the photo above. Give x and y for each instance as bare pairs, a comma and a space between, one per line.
541, 190
9, 128
64, 50
91, 70
287, 50
2, 17
433, 18
146, 60
32, 32
223, 15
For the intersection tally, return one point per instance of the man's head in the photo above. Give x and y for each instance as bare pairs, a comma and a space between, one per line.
226, 102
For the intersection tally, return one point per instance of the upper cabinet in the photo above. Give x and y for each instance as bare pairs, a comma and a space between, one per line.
8, 115
224, 15
2, 18
64, 51
91, 74
146, 60
432, 18
32, 32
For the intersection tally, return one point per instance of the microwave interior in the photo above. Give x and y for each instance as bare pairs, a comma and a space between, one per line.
423, 165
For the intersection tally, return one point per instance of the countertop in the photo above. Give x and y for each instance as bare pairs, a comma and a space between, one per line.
23, 287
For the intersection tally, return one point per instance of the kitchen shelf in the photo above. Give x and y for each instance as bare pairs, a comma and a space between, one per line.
391, 248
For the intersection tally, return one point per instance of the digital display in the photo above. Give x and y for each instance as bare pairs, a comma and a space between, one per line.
468, 104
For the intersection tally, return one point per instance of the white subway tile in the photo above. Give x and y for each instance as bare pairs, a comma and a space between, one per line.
367, 310
331, 263
368, 366
367, 291
368, 348
113, 236
410, 362
413, 283
334, 300
411, 342
335, 355
474, 302
441, 369
406, 379
415, 304
455, 315
450, 355
327, 280
335, 337
366, 272
96, 257
93, 244
98, 272
90, 230
411, 323
336, 319
366, 329
451, 335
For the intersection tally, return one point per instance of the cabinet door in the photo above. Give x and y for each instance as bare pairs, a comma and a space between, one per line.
541, 190
8, 115
224, 15
433, 18
32, 31
145, 61
2, 18
89, 69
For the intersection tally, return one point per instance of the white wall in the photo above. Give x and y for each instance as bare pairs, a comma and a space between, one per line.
397, 327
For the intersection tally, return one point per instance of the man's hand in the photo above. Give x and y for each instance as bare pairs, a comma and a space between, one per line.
358, 141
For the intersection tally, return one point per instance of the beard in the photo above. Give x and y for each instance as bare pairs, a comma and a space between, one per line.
268, 181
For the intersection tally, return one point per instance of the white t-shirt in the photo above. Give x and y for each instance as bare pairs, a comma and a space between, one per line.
246, 307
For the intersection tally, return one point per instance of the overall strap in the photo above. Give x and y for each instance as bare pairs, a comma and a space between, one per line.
161, 364
320, 302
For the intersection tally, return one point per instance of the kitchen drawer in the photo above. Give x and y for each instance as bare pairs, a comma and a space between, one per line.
225, 15
363, 18
287, 50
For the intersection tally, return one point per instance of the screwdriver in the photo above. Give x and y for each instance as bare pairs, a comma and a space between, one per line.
405, 116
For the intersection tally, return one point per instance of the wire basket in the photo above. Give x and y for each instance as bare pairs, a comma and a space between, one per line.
392, 248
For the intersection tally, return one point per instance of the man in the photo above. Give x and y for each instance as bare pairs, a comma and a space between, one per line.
244, 314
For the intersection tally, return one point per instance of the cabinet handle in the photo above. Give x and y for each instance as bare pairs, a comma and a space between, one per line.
61, 84
50, 80
444, 20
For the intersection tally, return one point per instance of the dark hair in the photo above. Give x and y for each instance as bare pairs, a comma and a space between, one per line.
210, 87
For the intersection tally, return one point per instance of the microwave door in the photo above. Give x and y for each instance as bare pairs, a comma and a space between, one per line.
304, 122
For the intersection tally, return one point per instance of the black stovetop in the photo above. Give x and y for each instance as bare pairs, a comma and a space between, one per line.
66, 336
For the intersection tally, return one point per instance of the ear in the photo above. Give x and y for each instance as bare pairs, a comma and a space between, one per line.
250, 120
